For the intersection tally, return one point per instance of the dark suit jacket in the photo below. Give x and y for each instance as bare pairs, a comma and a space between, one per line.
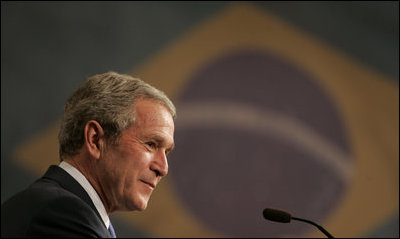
55, 205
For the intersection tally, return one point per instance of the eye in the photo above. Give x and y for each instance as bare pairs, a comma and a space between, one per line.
151, 144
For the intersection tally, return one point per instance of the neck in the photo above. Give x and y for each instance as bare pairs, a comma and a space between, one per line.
88, 168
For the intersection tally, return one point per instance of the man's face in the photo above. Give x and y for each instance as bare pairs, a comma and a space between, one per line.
133, 168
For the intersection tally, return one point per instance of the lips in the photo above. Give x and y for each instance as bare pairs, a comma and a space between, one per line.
152, 185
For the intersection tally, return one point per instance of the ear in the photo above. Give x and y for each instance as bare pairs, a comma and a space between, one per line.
94, 138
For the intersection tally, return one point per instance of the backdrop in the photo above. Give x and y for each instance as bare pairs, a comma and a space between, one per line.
288, 105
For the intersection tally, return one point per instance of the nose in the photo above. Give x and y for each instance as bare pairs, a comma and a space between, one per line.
160, 164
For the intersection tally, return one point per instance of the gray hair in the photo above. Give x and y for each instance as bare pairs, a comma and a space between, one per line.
108, 99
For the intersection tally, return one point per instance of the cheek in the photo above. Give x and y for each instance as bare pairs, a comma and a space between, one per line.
132, 166
128, 164
116, 167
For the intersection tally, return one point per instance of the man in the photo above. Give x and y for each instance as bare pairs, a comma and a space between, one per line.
116, 133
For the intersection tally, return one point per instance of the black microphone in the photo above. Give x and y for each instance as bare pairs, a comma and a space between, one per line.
285, 217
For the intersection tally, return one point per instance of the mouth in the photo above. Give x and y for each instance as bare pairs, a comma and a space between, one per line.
151, 185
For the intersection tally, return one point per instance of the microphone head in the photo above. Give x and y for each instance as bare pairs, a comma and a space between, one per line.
276, 215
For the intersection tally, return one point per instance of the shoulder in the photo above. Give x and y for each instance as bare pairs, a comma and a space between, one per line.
66, 215
46, 209
36, 196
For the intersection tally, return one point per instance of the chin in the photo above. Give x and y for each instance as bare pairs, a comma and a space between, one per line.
140, 204
141, 207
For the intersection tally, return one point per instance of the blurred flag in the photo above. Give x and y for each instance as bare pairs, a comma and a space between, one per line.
268, 116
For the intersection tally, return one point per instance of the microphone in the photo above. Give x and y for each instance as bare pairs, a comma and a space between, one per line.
285, 217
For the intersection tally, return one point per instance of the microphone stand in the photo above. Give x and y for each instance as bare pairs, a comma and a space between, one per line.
315, 224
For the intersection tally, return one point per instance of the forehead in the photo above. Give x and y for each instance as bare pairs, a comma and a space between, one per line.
149, 111
153, 118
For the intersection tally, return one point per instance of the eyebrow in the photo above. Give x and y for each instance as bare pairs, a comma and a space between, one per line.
160, 140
